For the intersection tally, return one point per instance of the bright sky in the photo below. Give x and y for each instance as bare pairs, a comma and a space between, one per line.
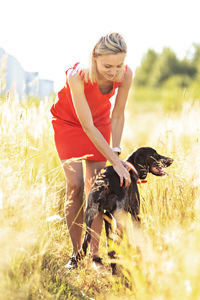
48, 36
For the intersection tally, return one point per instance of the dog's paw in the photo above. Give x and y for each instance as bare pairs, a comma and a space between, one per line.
97, 263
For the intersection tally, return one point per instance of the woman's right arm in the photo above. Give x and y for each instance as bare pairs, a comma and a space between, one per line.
85, 117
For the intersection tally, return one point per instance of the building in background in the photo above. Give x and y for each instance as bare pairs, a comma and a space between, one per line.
14, 78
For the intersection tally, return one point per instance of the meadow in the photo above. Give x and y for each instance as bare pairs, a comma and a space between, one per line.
161, 262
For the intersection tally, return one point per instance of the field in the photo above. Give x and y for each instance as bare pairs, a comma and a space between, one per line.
34, 241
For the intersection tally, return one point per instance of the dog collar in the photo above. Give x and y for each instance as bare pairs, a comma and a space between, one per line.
131, 167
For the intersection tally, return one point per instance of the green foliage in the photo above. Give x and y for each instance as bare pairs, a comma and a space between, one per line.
177, 81
196, 55
167, 99
143, 73
195, 88
165, 66
156, 69
186, 67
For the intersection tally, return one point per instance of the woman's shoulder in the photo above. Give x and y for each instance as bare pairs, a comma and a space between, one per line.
128, 73
75, 80
77, 72
73, 75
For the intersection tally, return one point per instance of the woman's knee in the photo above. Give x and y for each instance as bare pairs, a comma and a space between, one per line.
74, 177
92, 170
75, 188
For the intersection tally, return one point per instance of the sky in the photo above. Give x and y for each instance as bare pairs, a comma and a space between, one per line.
49, 36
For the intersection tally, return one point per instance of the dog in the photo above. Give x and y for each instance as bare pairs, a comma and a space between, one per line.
108, 197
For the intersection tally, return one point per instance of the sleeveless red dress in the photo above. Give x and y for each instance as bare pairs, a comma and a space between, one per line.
70, 139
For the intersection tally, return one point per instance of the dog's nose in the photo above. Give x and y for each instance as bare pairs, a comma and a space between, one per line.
169, 161
166, 161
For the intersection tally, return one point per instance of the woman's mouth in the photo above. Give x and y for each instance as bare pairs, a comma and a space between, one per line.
110, 76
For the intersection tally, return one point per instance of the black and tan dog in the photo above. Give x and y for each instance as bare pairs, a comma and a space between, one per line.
108, 197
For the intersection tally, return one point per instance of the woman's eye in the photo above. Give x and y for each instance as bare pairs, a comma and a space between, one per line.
118, 67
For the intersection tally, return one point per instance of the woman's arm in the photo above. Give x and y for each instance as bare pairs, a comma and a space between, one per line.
118, 110
85, 117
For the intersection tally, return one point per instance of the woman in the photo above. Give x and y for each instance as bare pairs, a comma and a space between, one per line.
82, 127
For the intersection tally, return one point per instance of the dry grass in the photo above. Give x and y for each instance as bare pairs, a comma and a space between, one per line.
161, 262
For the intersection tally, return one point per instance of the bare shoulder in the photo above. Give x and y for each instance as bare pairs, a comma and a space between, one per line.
127, 79
75, 79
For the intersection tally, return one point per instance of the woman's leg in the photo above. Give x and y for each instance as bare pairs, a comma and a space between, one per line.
92, 169
74, 201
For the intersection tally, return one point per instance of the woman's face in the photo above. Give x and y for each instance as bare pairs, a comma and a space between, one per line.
110, 66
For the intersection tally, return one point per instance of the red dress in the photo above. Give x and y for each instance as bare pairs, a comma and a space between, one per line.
70, 139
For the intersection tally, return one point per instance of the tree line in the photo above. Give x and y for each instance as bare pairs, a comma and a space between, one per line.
162, 69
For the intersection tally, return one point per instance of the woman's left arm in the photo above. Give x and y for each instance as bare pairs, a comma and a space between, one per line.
117, 118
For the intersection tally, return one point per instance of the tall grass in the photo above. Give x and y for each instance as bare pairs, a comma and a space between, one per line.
162, 261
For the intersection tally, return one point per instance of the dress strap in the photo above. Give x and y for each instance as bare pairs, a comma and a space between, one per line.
73, 68
76, 69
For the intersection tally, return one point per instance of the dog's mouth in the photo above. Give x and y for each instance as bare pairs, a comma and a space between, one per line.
158, 168
158, 171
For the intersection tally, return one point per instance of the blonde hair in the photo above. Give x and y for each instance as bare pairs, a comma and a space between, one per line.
111, 43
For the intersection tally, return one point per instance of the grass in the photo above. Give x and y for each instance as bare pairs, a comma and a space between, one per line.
161, 263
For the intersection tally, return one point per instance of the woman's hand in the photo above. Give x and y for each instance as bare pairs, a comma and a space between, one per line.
123, 173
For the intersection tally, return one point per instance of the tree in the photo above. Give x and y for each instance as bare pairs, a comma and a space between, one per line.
196, 60
166, 65
196, 55
156, 69
142, 73
185, 67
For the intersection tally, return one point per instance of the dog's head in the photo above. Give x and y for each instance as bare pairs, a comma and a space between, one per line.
147, 160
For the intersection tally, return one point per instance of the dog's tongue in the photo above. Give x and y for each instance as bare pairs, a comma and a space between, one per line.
158, 171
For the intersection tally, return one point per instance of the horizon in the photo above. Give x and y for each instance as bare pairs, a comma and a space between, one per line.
35, 35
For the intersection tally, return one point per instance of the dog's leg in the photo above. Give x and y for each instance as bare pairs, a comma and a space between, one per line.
86, 241
107, 220
87, 237
110, 241
90, 214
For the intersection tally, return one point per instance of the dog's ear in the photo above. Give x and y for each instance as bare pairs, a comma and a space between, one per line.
138, 159
142, 168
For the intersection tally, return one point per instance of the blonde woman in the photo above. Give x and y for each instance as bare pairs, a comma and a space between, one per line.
83, 125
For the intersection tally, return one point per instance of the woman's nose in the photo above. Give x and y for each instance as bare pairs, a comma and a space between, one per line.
111, 73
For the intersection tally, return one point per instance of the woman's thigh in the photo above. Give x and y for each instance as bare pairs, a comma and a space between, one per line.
92, 169
73, 173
